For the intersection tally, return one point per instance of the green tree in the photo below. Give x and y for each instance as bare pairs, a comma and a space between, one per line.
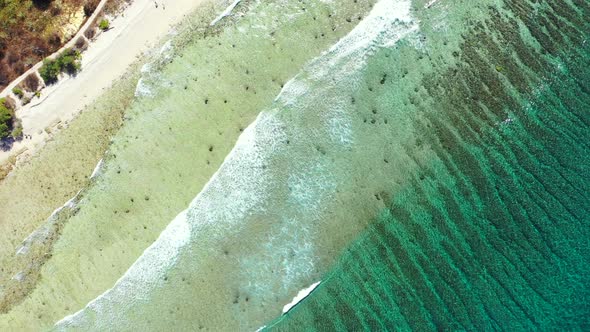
49, 71
6, 118
68, 61
18, 92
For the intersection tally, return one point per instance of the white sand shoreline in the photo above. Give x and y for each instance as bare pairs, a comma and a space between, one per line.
135, 31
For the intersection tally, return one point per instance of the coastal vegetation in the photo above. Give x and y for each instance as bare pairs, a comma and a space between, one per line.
18, 92
6, 116
104, 25
90, 6
31, 83
68, 62
31, 30
9, 125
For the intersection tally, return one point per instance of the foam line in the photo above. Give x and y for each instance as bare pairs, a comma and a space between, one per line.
41, 232
430, 4
226, 12
96, 170
300, 296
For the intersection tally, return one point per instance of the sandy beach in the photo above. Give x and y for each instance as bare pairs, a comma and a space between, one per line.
133, 32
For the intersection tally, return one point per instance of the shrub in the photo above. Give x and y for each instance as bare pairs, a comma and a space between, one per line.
104, 24
17, 131
6, 118
18, 67
90, 32
31, 82
4, 107
18, 92
42, 4
4, 74
55, 10
9, 102
54, 40
12, 58
49, 71
68, 61
81, 44
4, 130
90, 6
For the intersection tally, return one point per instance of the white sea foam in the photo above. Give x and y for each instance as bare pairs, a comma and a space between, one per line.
300, 296
97, 169
340, 127
150, 78
41, 233
226, 12
142, 89
20, 276
309, 186
167, 50
387, 23
430, 4
146, 68
288, 256
146, 272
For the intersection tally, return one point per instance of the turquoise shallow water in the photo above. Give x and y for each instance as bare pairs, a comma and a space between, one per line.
493, 232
